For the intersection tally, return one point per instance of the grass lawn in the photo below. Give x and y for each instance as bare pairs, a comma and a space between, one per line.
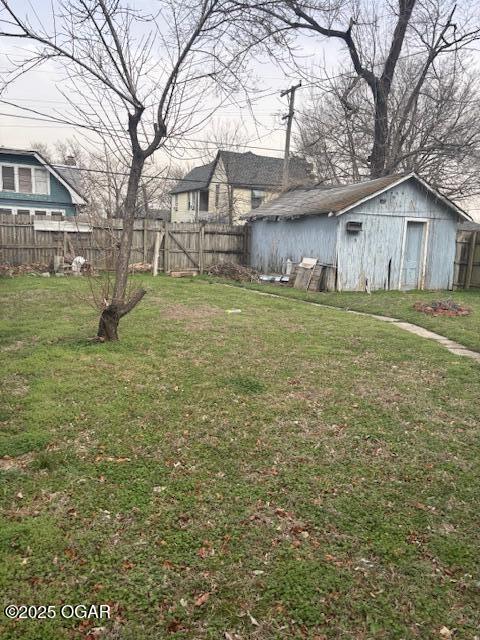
284, 472
399, 304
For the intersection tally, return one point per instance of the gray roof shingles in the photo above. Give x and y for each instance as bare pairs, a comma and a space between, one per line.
72, 175
320, 199
245, 170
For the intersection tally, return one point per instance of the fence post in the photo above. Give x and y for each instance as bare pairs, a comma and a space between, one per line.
156, 251
201, 240
246, 244
145, 240
166, 249
471, 254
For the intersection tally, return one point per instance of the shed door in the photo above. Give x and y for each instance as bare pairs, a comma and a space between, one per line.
413, 256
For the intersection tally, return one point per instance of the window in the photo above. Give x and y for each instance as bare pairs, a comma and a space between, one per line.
6, 211
25, 180
191, 200
40, 214
217, 195
258, 197
8, 178
23, 212
175, 201
41, 181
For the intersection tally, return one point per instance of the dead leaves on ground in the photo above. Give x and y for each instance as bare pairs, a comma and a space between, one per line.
202, 599
284, 522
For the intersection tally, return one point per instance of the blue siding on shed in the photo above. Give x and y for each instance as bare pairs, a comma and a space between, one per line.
364, 258
59, 197
273, 242
371, 258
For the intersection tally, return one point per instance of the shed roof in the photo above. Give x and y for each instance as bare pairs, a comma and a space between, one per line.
245, 170
335, 200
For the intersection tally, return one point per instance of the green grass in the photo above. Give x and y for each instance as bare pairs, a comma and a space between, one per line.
315, 473
398, 304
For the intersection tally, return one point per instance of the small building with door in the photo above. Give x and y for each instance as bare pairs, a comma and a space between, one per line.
394, 232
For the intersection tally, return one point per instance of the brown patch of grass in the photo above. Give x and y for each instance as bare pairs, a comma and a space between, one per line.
15, 464
197, 317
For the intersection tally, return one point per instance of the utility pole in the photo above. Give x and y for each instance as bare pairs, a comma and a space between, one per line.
289, 118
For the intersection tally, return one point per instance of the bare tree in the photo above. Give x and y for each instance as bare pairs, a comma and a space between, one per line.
439, 138
374, 49
139, 79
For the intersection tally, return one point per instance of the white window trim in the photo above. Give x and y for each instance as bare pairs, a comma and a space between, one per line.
16, 167
31, 211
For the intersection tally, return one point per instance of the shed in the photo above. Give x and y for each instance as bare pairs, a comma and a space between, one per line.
394, 232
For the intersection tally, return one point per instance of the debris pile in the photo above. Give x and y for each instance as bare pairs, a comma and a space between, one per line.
10, 270
234, 272
140, 267
442, 308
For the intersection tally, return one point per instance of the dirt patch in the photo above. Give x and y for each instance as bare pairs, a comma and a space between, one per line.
16, 464
197, 317
442, 308
18, 345
16, 385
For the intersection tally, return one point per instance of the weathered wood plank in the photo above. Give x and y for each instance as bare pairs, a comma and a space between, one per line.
201, 245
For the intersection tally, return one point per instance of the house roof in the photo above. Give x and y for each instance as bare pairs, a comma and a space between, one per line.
69, 176
197, 178
335, 200
245, 170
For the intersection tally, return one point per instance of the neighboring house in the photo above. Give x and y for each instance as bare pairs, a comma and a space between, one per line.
231, 185
30, 185
395, 232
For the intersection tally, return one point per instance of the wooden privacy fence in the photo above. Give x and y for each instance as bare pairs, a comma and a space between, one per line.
467, 259
176, 246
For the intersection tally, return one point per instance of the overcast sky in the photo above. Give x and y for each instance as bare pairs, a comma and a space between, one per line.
265, 131
39, 90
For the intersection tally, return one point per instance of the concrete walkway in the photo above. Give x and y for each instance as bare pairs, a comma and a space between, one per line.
452, 346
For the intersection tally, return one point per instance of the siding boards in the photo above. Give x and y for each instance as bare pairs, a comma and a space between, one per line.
272, 242
365, 259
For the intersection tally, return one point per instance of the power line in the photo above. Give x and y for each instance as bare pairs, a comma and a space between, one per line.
98, 130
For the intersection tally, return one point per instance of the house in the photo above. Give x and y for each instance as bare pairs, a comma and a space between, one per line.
395, 232
231, 185
31, 185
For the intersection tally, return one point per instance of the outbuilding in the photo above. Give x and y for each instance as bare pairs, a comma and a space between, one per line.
394, 232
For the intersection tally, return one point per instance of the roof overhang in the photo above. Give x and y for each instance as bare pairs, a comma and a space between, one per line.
446, 201
77, 197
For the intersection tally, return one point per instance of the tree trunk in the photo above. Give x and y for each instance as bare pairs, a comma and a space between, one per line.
380, 135
121, 270
108, 324
111, 315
